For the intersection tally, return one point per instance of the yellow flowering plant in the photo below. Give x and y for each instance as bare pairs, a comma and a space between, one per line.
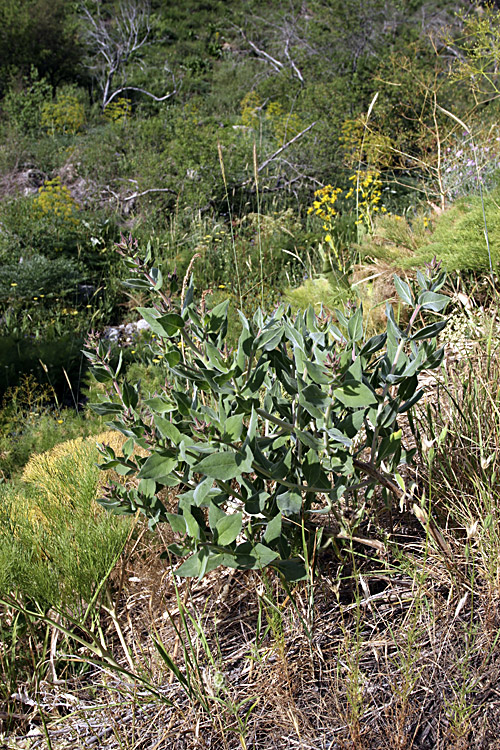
361, 200
64, 115
55, 201
119, 110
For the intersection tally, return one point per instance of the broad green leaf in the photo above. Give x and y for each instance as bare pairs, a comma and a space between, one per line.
159, 405
170, 323
193, 527
193, 566
289, 503
393, 330
106, 407
173, 357
317, 373
151, 316
313, 400
178, 523
263, 555
293, 570
300, 359
202, 490
273, 530
294, 336
355, 394
233, 427
429, 331
217, 316
403, 290
252, 427
355, 325
137, 284
157, 277
147, 487
215, 358
433, 301
167, 429
225, 465
256, 557
339, 437
411, 401
373, 345
157, 467
308, 440
271, 338
228, 528
214, 514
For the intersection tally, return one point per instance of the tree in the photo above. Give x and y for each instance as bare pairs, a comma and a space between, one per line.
41, 35
116, 41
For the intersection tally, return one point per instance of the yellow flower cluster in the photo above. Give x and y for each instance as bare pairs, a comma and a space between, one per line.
65, 115
324, 207
366, 191
368, 187
55, 200
361, 142
118, 110
249, 106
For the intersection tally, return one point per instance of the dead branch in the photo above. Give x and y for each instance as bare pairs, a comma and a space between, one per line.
115, 43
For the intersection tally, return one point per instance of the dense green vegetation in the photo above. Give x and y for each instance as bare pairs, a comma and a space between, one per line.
258, 156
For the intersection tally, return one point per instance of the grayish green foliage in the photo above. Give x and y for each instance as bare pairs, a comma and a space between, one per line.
301, 414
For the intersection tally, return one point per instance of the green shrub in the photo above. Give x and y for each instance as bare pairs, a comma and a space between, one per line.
459, 235
293, 422
30, 421
37, 275
23, 106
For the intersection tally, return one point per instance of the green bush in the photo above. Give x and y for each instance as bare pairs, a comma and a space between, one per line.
459, 235
23, 106
294, 421
36, 275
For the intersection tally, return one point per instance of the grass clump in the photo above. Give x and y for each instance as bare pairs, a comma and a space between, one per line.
56, 544
456, 237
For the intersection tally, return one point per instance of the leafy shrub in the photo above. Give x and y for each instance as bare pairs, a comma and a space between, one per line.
30, 421
459, 235
37, 275
23, 107
293, 422
456, 237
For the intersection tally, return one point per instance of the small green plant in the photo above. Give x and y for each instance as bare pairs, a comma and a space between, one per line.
51, 525
23, 106
295, 421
